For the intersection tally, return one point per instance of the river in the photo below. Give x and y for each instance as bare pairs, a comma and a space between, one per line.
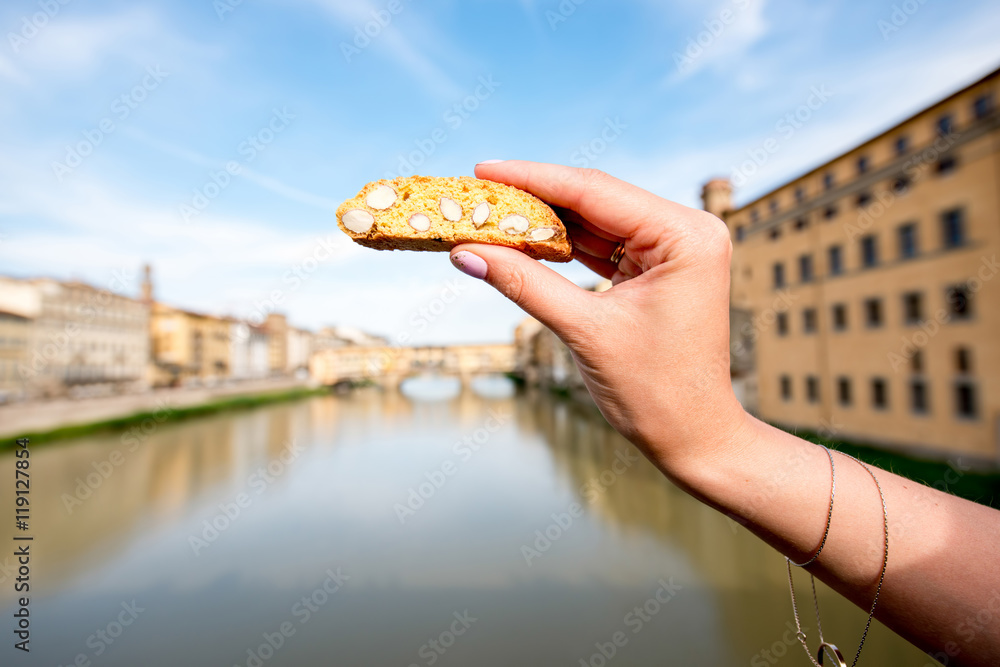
428, 526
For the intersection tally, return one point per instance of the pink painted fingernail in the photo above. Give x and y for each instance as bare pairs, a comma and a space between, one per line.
490, 162
469, 264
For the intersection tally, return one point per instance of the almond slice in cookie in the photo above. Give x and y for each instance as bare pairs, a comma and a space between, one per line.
381, 198
420, 222
358, 221
515, 224
543, 234
481, 215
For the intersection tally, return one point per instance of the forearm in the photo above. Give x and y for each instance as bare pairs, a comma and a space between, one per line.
942, 583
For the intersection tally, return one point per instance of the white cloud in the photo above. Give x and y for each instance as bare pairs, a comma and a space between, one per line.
720, 39
871, 93
355, 14
91, 228
267, 182
78, 46
10, 71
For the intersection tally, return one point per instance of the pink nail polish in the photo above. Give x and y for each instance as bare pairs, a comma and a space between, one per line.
469, 264
490, 162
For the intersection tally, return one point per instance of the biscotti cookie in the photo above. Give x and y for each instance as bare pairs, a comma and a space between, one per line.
431, 213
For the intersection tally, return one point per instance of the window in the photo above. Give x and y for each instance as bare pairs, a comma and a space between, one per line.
901, 185
773, 205
775, 234
959, 300
918, 397
880, 394
809, 320
946, 165
966, 403
983, 106
873, 313
869, 251
864, 199
740, 233
945, 125
835, 255
779, 275
801, 224
913, 308
786, 388
754, 216
800, 194
828, 181
782, 324
902, 146
917, 362
806, 268
830, 212
908, 241
844, 391
863, 164
812, 389
963, 360
839, 317
953, 228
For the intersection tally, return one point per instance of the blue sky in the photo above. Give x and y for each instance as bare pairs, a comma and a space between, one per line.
119, 120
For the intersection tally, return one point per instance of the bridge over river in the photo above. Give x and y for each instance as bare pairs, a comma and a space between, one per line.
389, 366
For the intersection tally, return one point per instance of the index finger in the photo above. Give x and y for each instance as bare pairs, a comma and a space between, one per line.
615, 206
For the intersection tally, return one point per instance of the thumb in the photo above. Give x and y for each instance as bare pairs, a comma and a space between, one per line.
538, 290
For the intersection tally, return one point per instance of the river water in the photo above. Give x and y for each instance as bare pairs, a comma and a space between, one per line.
428, 526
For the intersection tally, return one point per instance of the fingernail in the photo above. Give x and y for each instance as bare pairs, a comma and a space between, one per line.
469, 264
490, 162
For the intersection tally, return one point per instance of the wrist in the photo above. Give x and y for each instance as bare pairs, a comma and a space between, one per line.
772, 482
714, 455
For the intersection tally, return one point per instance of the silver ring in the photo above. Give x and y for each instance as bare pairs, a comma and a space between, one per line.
834, 651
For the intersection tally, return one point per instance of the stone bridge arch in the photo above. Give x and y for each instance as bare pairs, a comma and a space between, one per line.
389, 366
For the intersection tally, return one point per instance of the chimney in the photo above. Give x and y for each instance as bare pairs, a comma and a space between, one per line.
717, 197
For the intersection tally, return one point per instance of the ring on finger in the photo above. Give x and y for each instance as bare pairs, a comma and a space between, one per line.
617, 255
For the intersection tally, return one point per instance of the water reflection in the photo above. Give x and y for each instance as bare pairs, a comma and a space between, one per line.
433, 500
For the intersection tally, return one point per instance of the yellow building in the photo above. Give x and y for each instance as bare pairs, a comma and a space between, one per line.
14, 344
189, 345
276, 326
871, 284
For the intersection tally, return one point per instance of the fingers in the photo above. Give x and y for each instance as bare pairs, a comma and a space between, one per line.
538, 290
589, 243
629, 268
568, 216
601, 267
595, 253
613, 206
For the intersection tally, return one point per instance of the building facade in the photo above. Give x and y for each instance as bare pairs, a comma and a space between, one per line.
249, 352
79, 338
871, 288
277, 336
300, 349
15, 331
189, 346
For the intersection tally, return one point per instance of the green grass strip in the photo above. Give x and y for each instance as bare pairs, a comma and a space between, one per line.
176, 414
951, 476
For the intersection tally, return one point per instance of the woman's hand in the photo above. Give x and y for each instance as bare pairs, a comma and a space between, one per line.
654, 352
654, 349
